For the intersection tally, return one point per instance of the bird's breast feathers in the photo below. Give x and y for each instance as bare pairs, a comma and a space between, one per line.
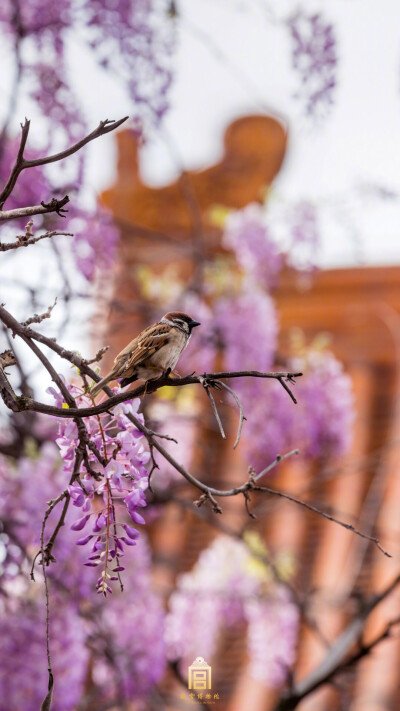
168, 356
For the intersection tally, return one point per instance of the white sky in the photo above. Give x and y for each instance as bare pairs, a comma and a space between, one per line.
359, 142
232, 59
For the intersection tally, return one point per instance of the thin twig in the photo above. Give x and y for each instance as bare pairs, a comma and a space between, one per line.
43, 209
47, 700
163, 436
99, 355
283, 379
21, 242
241, 413
215, 411
17, 167
51, 505
38, 318
326, 515
21, 163
336, 659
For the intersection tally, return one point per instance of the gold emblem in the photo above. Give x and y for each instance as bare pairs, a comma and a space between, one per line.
199, 674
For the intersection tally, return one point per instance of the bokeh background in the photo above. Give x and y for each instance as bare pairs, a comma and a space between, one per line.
255, 185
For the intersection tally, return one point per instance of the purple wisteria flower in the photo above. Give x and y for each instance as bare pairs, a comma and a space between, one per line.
110, 650
272, 636
135, 40
270, 406
131, 39
325, 424
304, 235
23, 675
314, 58
251, 312
109, 488
229, 585
320, 425
95, 243
257, 253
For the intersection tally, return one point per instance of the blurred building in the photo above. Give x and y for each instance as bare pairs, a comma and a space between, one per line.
360, 310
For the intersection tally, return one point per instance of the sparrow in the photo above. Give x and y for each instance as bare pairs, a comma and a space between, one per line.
154, 352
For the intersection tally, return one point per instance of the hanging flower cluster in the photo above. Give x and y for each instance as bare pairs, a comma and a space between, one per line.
320, 425
303, 240
95, 243
324, 427
314, 58
110, 485
23, 676
230, 584
248, 235
121, 661
131, 39
251, 312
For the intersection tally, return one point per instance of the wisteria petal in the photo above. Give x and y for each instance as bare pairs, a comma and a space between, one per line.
80, 523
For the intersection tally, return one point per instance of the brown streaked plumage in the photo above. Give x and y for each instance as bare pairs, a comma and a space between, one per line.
153, 352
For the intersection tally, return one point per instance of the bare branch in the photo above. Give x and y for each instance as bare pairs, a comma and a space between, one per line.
336, 659
104, 127
28, 238
365, 649
241, 413
21, 163
17, 167
163, 436
315, 509
7, 393
7, 358
38, 318
99, 355
148, 388
43, 209
206, 387
284, 379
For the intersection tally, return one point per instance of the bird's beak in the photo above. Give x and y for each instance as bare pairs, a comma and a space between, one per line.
192, 324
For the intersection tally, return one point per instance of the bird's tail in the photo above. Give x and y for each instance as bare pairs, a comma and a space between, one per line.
100, 385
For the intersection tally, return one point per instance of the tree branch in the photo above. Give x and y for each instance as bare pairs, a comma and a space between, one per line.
208, 493
148, 388
325, 514
336, 660
43, 209
21, 163
22, 242
38, 318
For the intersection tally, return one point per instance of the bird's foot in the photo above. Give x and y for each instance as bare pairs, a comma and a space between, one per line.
169, 372
208, 382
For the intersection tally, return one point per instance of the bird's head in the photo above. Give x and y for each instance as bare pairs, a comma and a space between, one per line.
180, 320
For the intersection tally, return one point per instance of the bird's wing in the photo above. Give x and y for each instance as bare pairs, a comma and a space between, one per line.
144, 346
